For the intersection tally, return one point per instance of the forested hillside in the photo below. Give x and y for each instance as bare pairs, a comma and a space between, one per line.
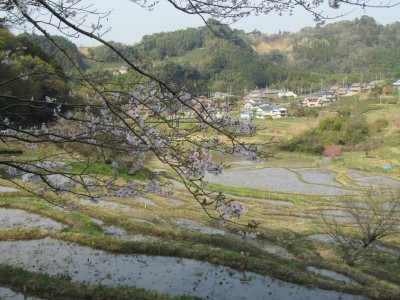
359, 46
221, 58
204, 59
45, 47
23, 59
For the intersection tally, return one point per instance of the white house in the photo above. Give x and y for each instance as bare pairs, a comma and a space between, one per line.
271, 110
287, 94
121, 71
247, 114
396, 83
253, 104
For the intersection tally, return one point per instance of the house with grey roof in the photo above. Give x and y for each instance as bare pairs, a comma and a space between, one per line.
313, 100
319, 98
271, 111
247, 114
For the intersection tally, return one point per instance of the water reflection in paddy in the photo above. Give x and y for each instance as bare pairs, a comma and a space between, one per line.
5, 189
6, 293
145, 201
196, 226
107, 204
16, 218
317, 176
330, 274
121, 233
174, 276
375, 180
276, 179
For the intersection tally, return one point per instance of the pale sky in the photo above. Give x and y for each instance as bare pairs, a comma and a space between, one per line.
129, 22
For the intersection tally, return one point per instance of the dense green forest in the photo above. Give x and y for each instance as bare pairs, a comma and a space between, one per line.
23, 58
355, 46
41, 46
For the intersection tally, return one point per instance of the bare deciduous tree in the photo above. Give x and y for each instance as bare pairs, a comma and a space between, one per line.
370, 217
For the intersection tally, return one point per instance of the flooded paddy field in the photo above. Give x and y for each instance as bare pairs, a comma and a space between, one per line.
318, 176
281, 180
331, 274
7, 293
170, 275
374, 180
192, 225
310, 181
16, 218
5, 189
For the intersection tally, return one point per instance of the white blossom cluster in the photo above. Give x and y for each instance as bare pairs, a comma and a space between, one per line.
155, 187
249, 234
232, 210
200, 162
246, 153
244, 126
9, 58
133, 188
23, 6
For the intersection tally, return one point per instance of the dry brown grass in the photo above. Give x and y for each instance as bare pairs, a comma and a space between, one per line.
281, 45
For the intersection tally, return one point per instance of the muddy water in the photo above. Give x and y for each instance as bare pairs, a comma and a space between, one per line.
4, 189
145, 201
192, 225
6, 293
279, 179
121, 233
170, 275
375, 180
176, 183
16, 218
317, 176
108, 204
326, 238
330, 274
277, 250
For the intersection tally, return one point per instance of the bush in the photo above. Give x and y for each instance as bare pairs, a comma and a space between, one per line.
339, 130
379, 124
333, 151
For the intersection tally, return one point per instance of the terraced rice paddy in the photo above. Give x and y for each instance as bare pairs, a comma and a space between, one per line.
292, 202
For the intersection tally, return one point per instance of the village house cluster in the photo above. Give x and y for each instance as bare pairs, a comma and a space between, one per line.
262, 103
325, 97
